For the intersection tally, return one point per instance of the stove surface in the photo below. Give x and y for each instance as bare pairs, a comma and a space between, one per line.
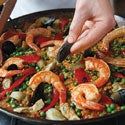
7, 120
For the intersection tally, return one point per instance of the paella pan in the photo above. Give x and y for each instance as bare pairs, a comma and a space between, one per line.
35, 87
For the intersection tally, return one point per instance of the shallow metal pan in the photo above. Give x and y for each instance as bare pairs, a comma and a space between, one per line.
19, 22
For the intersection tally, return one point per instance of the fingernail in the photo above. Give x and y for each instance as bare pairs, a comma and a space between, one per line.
70, 39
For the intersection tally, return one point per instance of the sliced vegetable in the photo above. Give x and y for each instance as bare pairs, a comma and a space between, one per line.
81, 76
18, 82
55, 99
63, 23
54, 114
58, 36
119, 75
6, 83
17, 95
41, 40
21, 109
32, 58
38, 105
106, 100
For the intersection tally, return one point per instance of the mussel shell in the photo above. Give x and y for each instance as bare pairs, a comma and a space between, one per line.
49, 22
39, 94
119, 97
8, 47
64, 51
12, 67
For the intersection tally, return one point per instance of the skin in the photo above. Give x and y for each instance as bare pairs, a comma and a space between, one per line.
91, 22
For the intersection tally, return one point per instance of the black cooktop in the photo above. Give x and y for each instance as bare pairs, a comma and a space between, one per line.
7, 120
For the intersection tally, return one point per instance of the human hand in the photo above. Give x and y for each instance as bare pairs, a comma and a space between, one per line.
91, 21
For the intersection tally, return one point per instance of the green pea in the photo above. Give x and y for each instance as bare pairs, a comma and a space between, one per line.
123, 80
48, 101
75, 83
113, 111
43, 114
72, 105
123, 107
112, 106
109, 110
79, 114
24, 86
13, 105
77, 110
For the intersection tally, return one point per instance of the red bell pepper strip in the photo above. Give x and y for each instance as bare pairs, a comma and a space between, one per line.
42, 40
119, 75
32, 58
58, 36
106, 100
81, 76
22, 36
61, 77
63, 23
18, 82
55, 99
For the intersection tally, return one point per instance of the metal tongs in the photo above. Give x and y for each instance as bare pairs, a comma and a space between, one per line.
5, 13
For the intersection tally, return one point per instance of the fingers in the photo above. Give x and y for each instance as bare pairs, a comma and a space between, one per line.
90, 37
77, 25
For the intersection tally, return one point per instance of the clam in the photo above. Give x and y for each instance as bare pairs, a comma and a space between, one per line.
119, 97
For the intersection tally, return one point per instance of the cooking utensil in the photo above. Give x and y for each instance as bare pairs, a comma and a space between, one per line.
6, 11
59, 13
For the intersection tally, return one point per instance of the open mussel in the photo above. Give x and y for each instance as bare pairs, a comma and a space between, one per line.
119, 97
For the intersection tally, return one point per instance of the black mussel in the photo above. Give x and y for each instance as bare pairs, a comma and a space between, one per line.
49, 22
119, 97
40, 94
12, 67
64, 51
8, 47
1, 8
89, 53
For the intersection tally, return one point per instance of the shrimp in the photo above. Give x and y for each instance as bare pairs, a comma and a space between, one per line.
13, 60
92, 63
51, 78
6, 73
33, 33
87, 96
104, 46
119, 32
120, 62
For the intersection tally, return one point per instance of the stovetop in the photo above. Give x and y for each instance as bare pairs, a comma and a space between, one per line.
7, 120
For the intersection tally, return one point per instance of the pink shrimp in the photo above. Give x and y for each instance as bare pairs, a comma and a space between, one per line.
36, 32
92, 63
51, 78
87, 96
